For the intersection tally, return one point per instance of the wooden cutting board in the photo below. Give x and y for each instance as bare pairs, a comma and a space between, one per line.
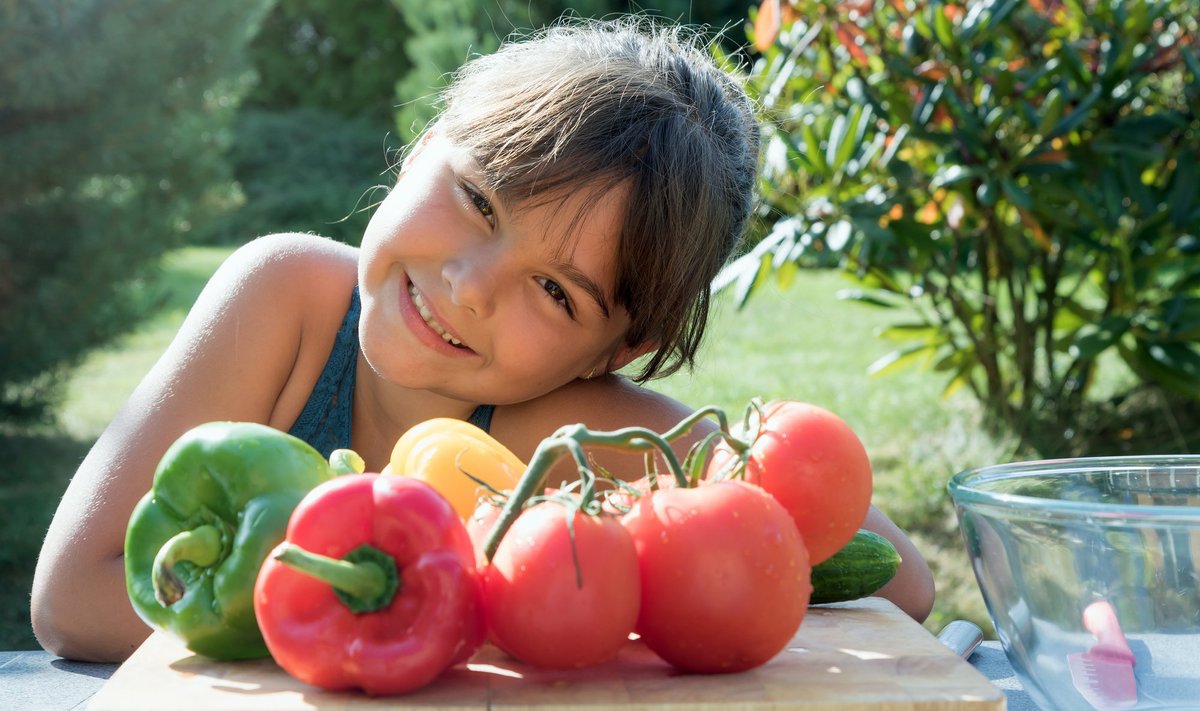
866, 655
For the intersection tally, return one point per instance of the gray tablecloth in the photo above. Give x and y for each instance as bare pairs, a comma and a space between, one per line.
39, 681
990, 660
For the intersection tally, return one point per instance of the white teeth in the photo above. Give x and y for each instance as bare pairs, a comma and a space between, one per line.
426, 314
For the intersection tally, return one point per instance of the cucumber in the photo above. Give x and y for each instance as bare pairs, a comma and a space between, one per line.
861, 567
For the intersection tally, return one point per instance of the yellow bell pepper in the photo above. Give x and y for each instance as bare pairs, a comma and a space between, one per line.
443, 451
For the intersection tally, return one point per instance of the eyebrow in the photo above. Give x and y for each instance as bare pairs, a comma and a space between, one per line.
587, 284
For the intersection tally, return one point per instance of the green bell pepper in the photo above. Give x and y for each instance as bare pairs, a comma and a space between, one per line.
220, 501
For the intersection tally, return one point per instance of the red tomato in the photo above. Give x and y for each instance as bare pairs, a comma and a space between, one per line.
536, 609
725, 576
479, 525
812, 462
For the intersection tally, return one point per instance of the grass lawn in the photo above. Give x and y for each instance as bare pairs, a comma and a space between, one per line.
805, 344
107, 377
802, 344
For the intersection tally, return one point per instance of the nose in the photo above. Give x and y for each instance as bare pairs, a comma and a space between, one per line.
474, 277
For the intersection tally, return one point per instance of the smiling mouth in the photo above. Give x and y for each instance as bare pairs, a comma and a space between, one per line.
427, 316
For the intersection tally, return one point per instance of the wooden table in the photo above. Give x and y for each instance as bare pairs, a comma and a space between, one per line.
904, 668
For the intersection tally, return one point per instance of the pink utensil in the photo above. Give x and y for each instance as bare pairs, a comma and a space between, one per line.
1104, 674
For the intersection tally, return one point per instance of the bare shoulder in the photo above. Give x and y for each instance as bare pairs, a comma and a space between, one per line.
282, 282
266, 314
290, 292
296, 265
607, 403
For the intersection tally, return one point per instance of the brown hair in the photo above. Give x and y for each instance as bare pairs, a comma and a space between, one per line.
623, 102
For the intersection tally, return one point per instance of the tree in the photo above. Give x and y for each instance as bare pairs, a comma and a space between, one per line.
304, 169
111, 128
338, 56
442, 35
313, 136
1021, 176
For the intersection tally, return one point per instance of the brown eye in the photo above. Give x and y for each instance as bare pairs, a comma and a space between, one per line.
485, 207
557, 293
481, 202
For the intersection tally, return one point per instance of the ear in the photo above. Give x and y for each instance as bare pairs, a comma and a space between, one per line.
627, 354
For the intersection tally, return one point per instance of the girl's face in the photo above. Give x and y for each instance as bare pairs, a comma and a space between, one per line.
482, 301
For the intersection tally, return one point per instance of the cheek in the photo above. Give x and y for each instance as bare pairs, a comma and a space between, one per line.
547, 355
533, 346
378, 348
539, 355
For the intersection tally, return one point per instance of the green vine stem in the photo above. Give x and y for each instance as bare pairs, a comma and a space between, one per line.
752, 419
571, 440
693, 419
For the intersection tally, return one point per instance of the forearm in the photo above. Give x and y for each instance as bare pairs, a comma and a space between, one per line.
89, 617
912, 590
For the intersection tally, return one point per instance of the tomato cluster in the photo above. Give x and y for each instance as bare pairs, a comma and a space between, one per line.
713, 574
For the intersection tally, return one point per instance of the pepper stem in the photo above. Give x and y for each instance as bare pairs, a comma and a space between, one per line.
346, 461
200, 546
365, 579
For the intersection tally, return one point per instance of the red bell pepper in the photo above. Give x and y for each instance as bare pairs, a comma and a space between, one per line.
373, 588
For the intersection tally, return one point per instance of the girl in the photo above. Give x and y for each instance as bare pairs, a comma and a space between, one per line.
561, 218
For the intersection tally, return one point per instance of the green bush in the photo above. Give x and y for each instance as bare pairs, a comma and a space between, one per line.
112, 125
304, 170
1021, 175
337, 55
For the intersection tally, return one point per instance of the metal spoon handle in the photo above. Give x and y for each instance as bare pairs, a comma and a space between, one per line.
961, 636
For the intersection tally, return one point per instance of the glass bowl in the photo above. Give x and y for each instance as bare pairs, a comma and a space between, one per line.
1090, 570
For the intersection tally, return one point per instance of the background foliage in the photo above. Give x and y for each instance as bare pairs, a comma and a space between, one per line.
341, 57
112, 124
303, 169
1020, 176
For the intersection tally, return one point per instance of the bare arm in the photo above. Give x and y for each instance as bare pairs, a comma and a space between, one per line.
231, 360
912, 589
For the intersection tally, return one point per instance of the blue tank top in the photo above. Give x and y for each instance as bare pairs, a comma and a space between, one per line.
325, 420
